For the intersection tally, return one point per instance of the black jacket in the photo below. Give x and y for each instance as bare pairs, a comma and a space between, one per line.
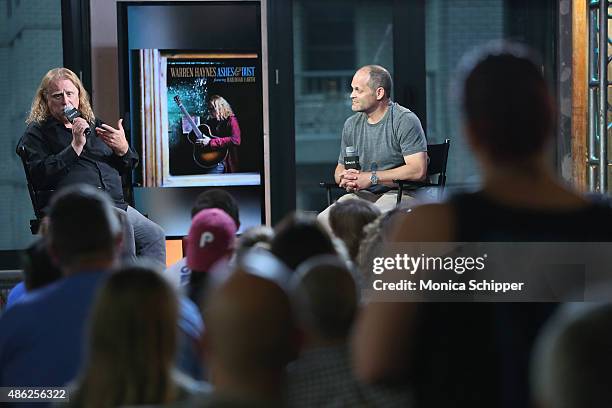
53, 163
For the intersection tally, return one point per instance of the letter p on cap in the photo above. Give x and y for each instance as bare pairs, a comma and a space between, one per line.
205, 238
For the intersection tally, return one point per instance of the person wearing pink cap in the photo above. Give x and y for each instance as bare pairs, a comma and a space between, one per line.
211, 239
179, 273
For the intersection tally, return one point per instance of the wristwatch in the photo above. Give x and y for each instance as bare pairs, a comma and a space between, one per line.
374, 178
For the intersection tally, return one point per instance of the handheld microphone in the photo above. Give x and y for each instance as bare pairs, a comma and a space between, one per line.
71, 113
351, 159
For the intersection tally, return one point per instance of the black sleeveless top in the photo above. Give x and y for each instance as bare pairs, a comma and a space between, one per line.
480, 219
477, 354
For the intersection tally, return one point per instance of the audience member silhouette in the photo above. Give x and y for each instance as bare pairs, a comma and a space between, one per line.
132, 344
571, 365
326, 301
261, 262
179, 273
249, 339
348, 219
260, 236
211, 240
41, 337
38, 271
298, 237
217, 198
478, 353
376, 236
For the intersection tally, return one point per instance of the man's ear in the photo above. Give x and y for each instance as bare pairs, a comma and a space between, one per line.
380, 93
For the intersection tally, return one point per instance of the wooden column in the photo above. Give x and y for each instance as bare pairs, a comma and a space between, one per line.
580, 47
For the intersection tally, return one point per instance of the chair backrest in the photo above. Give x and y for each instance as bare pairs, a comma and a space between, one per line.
39, 198
438, 158
21, 152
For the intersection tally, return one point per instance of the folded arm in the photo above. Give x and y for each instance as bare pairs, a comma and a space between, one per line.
415, 168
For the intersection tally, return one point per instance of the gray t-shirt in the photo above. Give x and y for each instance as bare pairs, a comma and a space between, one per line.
397, 134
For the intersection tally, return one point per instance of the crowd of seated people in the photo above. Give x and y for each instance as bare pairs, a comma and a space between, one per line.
275, 317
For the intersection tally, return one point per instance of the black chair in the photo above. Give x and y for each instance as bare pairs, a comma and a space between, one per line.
436, 174
436, 171
39, 198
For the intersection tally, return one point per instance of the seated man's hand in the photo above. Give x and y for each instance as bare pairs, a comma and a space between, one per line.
114, 138
353, 180
358, 182
347, 176
79, 126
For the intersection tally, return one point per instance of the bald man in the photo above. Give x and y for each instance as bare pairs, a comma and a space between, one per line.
388, 139
326, 300
249, 339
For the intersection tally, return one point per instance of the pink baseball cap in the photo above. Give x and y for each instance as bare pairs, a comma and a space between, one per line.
211, 238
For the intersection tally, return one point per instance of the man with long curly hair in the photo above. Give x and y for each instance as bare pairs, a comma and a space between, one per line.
62, 151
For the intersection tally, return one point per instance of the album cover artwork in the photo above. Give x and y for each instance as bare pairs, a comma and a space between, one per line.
202, 118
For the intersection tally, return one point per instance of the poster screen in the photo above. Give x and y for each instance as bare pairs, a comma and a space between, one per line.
200, 121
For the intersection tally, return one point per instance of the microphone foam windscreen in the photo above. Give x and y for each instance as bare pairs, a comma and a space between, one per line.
71, 113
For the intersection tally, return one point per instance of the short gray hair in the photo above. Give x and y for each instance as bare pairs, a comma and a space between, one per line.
380, 78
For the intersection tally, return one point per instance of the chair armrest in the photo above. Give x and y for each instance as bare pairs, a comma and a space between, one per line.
327, 185
413, 184
409, 185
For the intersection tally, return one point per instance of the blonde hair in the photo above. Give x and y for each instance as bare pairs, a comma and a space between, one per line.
133, 338
39, 112
222, 108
